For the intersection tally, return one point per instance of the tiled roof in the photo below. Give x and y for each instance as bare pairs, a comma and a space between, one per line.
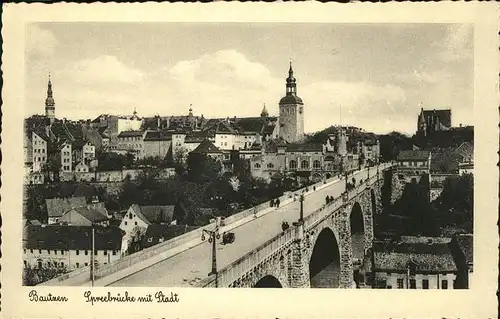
157, 136
413, 155
445, 158
427, 257
130, 134
91, 214
304, 147
156, 234
72, 237
154, 214
465, 243
206, 147
56, 207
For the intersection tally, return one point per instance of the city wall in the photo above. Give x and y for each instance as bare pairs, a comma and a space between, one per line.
110, 176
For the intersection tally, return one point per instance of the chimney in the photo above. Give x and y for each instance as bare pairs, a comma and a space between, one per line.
158, 123
168, 123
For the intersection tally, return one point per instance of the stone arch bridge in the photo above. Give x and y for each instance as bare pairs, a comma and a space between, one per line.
320, 251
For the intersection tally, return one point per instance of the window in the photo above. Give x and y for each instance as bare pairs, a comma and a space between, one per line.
62, 264
62, 252
292, 164
135, 223
31, 250
105, 253
86, 252
256, 165
114, 252
86, 264
130, 216
444, 284
400, 283
39, 251
77, 252
25, 250
304, 164
425, 283
270, 165
77, 265
413, 284
25, 263
316, 164
48, 263
95, 252
48, 252
125, 223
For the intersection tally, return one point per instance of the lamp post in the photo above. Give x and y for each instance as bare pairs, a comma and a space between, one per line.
92, 258
213, 235
301, 219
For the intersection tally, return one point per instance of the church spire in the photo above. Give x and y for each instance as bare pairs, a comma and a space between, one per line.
50, 108
264, 112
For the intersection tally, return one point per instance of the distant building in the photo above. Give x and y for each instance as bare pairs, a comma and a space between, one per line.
209, 149
137, 219
430, 121
50, 105
56, 207
129, 141
370, 150
156, 144
70, 247
412, 165
413, 263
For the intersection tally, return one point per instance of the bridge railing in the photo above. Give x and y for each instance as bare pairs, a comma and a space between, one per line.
246, 263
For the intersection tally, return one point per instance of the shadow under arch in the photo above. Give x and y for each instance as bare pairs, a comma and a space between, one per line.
268, 282
357, 232
324, 265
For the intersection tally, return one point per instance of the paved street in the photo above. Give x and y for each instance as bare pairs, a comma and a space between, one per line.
184, 268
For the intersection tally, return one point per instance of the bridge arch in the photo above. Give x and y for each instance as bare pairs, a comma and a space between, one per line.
357, 232
324, 264
268, 281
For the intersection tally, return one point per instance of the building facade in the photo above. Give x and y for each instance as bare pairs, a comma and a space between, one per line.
70, 247
430, 121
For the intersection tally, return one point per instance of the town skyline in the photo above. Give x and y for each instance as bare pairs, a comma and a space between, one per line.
164, 68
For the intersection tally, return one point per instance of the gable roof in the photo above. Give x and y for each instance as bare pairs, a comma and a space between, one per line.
93, 215
156, 234
56, 207
206, 147
154, 214
413, 155
85, 190
72, 237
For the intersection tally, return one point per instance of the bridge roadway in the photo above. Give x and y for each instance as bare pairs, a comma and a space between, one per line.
192, 265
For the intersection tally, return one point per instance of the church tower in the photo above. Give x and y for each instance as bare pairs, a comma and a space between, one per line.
50, 105
291, 118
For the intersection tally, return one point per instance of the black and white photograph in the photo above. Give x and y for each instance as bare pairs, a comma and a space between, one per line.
251, 155
162, 158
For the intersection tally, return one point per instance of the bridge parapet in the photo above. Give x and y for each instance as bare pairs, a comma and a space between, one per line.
246, 263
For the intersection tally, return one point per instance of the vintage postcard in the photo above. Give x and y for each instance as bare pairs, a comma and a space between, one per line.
157, 156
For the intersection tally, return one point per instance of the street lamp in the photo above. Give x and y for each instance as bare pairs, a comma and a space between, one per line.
92, 257
301, 219
214, 235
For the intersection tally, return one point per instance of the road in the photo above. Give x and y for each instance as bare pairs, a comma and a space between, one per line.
190, 266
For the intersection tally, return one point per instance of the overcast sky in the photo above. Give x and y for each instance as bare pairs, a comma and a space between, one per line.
379, 74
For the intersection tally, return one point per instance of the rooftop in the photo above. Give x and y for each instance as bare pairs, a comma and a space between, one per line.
72, 237
156, 234
206, 147
154, 214
427, 257
130, 134
413, 155
56, 207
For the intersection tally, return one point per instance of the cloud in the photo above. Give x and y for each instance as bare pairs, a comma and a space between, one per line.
39, 42
103, 70
457, 44
224, 83
423, 77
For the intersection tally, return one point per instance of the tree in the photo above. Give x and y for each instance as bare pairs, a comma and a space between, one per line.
180, 155
456, 202
202, 168
52, 167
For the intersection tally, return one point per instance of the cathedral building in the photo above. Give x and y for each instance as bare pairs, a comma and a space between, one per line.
430, 121
291, 112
